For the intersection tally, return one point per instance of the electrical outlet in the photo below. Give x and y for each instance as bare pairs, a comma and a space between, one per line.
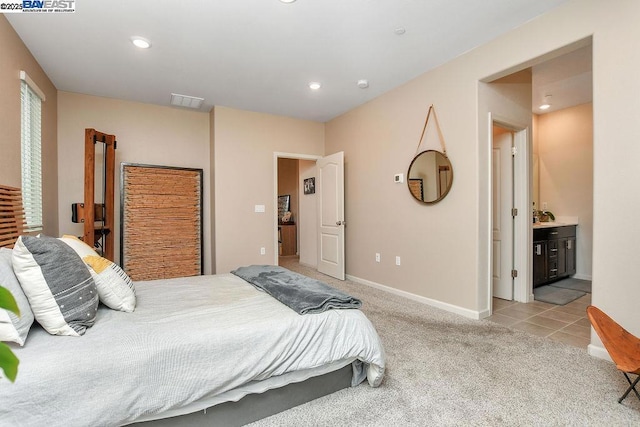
544, 206
377, 257
263, 251
397, 260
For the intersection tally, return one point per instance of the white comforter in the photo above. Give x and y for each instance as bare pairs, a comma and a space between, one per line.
188, 339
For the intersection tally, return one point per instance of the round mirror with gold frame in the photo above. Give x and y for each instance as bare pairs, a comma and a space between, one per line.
430, 176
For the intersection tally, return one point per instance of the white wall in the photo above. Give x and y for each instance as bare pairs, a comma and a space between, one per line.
244, 144
147, 134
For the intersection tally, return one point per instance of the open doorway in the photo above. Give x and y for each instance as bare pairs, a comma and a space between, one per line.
559, 167
288, 208
321, 221
295, 239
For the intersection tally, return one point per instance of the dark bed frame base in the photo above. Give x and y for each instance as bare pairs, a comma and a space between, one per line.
257, 406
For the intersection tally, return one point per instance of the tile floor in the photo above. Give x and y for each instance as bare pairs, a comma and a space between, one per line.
565, 323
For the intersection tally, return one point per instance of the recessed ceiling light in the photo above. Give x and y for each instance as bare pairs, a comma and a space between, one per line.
546, 103
140, 42
400, 31
314, 85
363, 83
287, 1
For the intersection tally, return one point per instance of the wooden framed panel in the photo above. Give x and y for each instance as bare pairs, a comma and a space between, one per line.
161, 221
12, 217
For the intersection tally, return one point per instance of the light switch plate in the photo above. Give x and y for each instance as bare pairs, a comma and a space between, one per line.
398, 178
259, 208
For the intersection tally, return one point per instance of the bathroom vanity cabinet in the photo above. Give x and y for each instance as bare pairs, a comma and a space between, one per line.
554, 253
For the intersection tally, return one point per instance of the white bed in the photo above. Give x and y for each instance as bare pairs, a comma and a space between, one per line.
191, 343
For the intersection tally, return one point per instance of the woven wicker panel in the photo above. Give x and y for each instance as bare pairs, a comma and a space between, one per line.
161, 222
12, 218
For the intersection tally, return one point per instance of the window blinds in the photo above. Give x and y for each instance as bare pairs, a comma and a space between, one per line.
31, 101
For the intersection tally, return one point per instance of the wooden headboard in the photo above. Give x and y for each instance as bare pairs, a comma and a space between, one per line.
12, 218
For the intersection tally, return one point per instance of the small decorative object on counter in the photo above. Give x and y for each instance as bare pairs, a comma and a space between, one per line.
546, 216
542, 215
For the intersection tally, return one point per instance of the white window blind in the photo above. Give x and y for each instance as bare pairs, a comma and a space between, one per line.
31, 100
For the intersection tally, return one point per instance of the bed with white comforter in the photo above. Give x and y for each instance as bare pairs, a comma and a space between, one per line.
190, 341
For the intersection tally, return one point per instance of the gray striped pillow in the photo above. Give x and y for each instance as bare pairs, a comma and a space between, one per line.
60, 289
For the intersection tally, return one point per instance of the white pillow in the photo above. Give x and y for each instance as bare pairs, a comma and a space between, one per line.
60, 289
115, 287
12, 327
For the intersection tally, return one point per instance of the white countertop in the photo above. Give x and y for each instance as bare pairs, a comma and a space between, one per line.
554, 224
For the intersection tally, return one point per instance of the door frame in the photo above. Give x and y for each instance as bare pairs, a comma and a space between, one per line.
522, 230
281, 155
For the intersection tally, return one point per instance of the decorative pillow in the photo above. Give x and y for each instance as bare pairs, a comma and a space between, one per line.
12, 327
60, 289
115, 287
80, 247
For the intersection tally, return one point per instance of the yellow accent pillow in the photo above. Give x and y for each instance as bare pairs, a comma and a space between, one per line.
115, 287
98, 263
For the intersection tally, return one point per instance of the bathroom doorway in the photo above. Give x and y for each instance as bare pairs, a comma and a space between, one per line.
297, 237
559, 151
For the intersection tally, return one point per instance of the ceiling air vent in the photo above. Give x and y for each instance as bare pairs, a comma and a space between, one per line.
186, 101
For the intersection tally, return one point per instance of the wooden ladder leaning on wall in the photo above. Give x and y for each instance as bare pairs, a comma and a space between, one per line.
12, 217
91, 235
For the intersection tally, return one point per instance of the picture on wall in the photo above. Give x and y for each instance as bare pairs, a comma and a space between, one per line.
310, 185
284, 205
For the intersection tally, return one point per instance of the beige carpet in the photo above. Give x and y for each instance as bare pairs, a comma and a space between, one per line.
443, 369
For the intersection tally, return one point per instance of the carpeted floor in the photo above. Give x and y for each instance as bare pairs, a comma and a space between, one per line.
446, 370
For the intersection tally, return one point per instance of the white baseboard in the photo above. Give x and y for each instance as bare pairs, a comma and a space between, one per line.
599, 352
582, 276
424, 300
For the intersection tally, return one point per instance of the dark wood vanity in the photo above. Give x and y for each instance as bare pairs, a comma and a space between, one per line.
554, 253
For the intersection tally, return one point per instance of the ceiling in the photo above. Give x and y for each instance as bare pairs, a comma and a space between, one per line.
566, 80
260, 55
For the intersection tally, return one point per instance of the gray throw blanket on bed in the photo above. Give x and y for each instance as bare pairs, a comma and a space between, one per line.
302, 294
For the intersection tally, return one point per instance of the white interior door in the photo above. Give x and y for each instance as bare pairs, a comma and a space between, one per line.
502, 223
330, 192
